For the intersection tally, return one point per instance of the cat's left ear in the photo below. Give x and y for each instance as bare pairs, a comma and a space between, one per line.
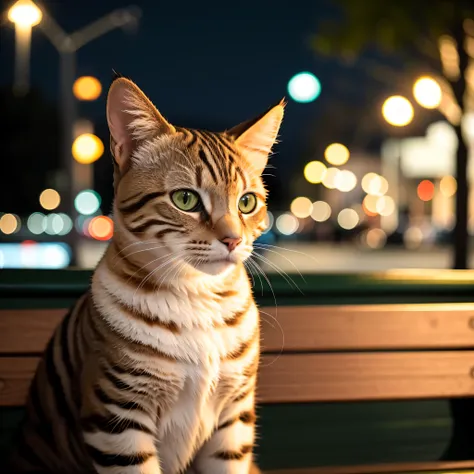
255, 138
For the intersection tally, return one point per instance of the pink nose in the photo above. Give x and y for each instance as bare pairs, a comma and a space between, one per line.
231, 243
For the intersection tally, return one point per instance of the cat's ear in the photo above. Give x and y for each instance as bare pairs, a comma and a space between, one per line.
132, 120
255, 138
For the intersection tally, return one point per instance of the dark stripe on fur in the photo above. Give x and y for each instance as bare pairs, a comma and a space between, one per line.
145, 225
204, 159
110, 424
234, 455
135, 206
111, 460
126, 405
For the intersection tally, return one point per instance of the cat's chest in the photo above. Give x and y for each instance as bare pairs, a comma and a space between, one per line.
192, 418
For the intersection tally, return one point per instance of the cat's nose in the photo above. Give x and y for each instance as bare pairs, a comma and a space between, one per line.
231, 242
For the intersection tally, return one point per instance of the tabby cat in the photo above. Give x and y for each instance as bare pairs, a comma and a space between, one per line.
154, 368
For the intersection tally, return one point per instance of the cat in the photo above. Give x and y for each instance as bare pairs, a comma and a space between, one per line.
153, 370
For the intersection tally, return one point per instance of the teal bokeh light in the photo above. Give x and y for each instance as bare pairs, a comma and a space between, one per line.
87, 202
304, 87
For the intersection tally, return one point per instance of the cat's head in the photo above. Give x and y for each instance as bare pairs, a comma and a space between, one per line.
193, 195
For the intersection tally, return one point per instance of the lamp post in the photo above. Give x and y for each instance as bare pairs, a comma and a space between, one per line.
24, 14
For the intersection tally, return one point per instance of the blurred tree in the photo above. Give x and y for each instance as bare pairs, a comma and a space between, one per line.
439, 35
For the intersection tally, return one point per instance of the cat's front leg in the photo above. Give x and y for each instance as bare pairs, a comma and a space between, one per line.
119, 433
229, 450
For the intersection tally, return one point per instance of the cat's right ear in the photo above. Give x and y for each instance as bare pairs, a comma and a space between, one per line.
132, 120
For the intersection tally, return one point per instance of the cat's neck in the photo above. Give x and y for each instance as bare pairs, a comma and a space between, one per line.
117, 278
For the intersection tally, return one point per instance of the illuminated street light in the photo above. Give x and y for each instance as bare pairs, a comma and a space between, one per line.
87, 88
427, 92
304, 87
87, 148
397, 111
24, 14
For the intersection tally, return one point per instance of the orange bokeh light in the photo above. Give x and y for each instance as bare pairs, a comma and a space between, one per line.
425, 190
101, 228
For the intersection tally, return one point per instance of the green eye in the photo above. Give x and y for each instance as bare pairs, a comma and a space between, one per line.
186, 200
247, 203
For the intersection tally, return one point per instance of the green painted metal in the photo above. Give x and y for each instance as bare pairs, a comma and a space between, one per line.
386, 287
305, 435
328, 434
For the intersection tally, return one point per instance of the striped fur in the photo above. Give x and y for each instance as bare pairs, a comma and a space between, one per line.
154, 369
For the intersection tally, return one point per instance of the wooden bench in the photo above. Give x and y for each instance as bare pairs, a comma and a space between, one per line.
344, 387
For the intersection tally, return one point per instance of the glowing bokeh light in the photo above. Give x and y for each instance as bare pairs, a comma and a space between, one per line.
321, 211
330, 178
345, 181
101, 228
385, 206
425, 190
87, 88
301, 207
336, 154
87, 148
374, 184
398, 111
348, 219
36, 223
370, 204
87, 202
376, 238
413, 237
304, 87
25, 13
448, 186
287, 224
315, 171
427, 92
50, 199
269, 221
67, 224
9, 224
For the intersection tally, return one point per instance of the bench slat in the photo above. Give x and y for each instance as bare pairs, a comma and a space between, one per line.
365, 376
305, 328
320, 377
453, 467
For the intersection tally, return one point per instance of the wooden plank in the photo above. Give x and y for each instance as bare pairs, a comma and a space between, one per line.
320, 377
411, 326
27, 331
16, 374
454, 467
366, 376
299, 328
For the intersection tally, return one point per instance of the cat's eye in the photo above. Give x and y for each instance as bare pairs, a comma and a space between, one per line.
186, 200
247, 203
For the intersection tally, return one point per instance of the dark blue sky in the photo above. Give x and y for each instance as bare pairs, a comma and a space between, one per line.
210, 64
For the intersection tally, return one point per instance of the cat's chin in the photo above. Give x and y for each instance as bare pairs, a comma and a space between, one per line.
216, 267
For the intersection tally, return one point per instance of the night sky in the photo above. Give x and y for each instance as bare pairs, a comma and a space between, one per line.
206, 64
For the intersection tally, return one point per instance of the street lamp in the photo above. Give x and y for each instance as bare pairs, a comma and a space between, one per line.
24, 14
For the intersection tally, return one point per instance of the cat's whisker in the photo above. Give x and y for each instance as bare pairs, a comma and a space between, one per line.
282, 256
171, 259
266, 279
285, 275
263, 246
282, 337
